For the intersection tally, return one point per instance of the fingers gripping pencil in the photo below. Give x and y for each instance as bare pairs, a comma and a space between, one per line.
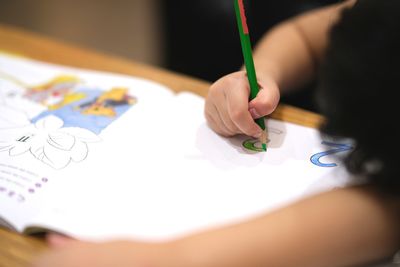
249, 63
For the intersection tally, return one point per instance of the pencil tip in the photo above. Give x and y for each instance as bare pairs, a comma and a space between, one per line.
264, 147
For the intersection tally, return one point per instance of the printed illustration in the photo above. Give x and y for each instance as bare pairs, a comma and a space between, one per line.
56, 120
52, 91
92, 109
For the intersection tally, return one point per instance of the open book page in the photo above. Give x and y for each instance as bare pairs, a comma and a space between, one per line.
177, 177
54, 118
99, 156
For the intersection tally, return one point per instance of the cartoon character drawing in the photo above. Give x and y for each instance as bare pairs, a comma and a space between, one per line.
104, 105
58, 118
52, 92
67, 100
48, 141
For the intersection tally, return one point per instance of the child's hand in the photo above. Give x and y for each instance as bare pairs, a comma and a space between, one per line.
67, 252
228, 111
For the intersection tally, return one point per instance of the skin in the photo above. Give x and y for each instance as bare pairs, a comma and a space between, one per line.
285, 59
343, 227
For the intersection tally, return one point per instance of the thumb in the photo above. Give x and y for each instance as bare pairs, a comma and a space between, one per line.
264, 103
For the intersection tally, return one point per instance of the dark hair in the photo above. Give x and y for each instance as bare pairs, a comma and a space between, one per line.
358, 85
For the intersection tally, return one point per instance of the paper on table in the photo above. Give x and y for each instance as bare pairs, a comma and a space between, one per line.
192, 179
49, 122
158, 172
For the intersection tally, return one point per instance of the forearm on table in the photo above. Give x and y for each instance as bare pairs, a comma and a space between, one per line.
291, 51
339, 228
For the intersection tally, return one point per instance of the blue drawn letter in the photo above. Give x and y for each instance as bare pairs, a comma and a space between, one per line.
315, 159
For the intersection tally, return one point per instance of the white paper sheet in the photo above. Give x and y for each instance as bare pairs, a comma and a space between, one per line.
155, 172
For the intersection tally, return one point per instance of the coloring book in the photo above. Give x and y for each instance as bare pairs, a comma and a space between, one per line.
98, 155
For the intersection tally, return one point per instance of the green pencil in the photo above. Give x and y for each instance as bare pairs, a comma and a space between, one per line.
249, 63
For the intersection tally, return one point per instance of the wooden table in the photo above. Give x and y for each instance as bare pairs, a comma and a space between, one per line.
17, 250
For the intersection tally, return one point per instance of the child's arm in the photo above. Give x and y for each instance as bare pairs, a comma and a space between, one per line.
285, 58
340, 228
344, 227
290, 52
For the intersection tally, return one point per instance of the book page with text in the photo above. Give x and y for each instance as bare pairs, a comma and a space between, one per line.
52, 119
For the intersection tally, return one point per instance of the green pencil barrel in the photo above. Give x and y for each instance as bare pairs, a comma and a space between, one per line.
248, 61
260, 122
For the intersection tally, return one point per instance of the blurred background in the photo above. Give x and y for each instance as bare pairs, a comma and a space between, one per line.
195, 37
